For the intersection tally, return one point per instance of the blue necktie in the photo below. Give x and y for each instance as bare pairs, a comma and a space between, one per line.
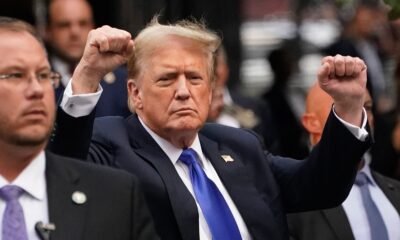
216, 212
13, 219
376, 223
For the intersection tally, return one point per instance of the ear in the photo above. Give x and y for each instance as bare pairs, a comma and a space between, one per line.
134, 94
311, 123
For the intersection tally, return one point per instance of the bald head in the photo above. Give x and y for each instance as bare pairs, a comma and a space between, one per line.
318, 102
318, 106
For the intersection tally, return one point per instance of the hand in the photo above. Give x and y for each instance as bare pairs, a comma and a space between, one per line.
106, 49
344, 79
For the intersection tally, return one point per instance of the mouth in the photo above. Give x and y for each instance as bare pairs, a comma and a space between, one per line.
35, 114
184, 111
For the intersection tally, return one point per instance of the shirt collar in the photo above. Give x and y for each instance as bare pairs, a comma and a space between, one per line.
172, 151
32, 179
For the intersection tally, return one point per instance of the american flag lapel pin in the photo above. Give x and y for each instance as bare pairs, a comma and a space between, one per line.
227, 158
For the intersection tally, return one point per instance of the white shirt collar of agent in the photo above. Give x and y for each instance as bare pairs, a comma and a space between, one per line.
32, 179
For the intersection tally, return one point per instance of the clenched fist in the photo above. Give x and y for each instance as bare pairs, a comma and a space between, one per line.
106, 49
344, 78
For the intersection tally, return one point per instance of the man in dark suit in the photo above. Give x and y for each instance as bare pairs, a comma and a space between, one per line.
69, 23
233, 109
348, 221
290, 138
205, 181
41, 193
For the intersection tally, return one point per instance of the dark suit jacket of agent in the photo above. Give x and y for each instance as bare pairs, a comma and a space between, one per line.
115, 206
113, 100
332, 224
263, 187
266, 126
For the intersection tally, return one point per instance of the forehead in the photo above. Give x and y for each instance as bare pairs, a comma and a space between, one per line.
21, 48
68, 10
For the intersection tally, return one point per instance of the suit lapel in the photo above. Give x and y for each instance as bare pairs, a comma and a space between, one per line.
338, 222
182, 202
237, 182
68, 217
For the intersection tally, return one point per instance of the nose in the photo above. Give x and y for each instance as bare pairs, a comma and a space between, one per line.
75, 29
34, 89
182, 91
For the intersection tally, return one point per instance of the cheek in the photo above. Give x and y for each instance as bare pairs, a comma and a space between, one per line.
204, 100
50, 103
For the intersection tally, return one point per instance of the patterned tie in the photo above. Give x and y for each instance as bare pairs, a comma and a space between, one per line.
376, 223
216, 212
13, 219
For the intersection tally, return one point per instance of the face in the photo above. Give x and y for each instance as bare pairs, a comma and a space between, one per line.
28, 107
221, 71
173, 92
369, 20
69, 25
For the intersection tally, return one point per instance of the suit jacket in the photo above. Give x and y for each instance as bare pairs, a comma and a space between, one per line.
266, 127
332, 224
291, 137
263, 187
114, 209
113, 100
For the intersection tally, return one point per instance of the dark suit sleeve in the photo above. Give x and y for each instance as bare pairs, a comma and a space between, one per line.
71, 136
325, 178
78, 138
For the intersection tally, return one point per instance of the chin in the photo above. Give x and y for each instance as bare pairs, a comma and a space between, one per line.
28, 140
32, 138
185, 126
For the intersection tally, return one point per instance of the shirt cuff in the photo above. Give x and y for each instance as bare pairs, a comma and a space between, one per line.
80, 104
359, 132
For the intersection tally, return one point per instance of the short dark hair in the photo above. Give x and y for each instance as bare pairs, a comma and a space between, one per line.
17, 25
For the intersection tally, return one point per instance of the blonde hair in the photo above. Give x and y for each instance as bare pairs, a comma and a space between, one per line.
151, 37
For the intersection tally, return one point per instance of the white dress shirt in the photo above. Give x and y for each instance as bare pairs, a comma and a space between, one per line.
355, 211
34, 199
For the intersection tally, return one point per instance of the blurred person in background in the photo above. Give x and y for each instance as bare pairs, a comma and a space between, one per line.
364, 22
291, 138
350, 221
233, 109
366, 34
69, 22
